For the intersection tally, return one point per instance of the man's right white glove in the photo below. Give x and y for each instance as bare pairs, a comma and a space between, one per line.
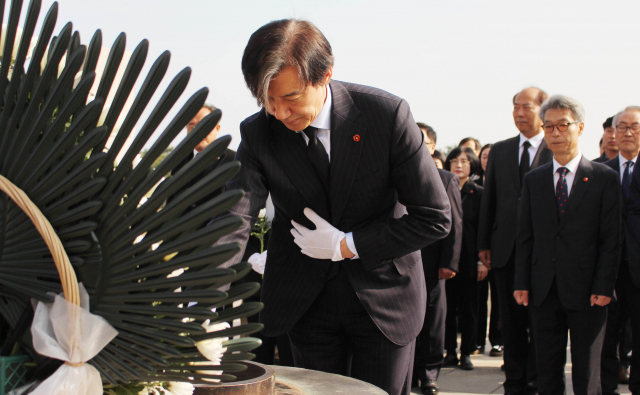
258, 261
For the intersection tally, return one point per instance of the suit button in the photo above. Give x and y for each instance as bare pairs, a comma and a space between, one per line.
553, 259
322, 274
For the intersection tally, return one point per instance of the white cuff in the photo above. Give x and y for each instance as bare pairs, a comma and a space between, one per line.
351, 245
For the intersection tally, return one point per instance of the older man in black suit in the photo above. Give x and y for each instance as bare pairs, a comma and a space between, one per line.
568, 252
440, 262
628, 142
509, 161
356, 197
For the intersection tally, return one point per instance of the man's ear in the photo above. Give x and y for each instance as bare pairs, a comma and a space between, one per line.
328, 75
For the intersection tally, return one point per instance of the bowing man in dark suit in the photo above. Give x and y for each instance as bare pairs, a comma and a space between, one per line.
440, 262
225, 158
347, 161
567, 255
613, 350
462, 291
509, 160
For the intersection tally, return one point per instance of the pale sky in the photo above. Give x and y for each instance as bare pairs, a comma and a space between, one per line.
457, 63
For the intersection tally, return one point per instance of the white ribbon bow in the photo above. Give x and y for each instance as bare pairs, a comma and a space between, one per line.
70, 333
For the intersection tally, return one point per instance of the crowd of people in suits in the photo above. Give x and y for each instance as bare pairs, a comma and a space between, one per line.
357, 205
548, 227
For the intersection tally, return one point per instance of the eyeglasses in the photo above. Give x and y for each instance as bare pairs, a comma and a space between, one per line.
562, 127
635, 128
461, 161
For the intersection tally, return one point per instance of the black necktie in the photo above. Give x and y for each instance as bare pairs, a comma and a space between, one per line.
562, 192
626, 180
524, 160
318, 156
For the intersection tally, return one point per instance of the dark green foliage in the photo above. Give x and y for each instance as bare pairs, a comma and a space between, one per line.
122, 238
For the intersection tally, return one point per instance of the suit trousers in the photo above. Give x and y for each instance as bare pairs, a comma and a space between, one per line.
612, 353
462, 312
495, 333
551, 322
631, 296
518, 340
337, 335
430, 341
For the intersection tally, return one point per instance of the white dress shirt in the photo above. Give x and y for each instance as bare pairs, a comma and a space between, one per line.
572, 166
535, 142
623, 165
323, 123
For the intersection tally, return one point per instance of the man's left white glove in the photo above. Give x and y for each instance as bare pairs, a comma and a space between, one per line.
258, 261
322, 243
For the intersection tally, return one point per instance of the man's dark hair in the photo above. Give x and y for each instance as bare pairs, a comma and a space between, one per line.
282, 44
476, 142
430, 132
474, 162
540, 97
608, 123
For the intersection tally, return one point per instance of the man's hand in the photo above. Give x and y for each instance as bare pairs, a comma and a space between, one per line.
600, 300
322, 243
522, 297
446, 273
344, 249
258, 261
482, 272
485, 258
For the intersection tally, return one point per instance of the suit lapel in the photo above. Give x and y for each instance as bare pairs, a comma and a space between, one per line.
290, 150
515, 168
549, 195
581, 183
347, 141
543, 155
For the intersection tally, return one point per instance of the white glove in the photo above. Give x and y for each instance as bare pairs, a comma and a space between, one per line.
258, 261
322, 243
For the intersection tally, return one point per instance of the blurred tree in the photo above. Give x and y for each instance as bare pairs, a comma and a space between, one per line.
160, 158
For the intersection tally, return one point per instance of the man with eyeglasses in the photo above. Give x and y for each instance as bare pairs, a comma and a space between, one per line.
509, 161
567, 252
627, 138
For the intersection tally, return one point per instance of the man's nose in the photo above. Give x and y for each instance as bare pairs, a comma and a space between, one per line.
281, 112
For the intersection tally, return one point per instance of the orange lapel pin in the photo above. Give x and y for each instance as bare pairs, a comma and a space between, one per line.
585, 179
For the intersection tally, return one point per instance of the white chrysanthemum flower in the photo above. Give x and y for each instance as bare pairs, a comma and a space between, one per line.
180, 388
145, 391
212, 349
262, 213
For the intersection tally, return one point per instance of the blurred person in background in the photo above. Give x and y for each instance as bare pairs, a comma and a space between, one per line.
440, 262
439, 158
472, 143
508, 162
462, 290
609, 148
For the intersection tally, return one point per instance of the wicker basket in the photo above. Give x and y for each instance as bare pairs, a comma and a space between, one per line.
12, 369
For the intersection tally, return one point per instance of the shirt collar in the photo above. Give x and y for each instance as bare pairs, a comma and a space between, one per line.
623, 160
323, 119
572, 166
534, 141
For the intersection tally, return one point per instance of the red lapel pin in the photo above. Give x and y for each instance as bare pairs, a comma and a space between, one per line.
471, 191
585, 179
356, 137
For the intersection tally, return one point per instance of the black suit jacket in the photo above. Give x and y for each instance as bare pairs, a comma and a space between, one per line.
603, 158
631, 223
445, 253
471, 198
384, 188
499, 208
582, 251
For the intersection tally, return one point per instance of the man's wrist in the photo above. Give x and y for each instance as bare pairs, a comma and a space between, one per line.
344, 249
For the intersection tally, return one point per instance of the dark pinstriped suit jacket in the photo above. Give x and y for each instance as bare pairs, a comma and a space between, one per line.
384, 188
499, 207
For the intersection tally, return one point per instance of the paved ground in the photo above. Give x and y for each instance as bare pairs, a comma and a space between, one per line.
486, 378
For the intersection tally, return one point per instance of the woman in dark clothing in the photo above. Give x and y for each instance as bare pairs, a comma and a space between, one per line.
484, 159
462, 290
